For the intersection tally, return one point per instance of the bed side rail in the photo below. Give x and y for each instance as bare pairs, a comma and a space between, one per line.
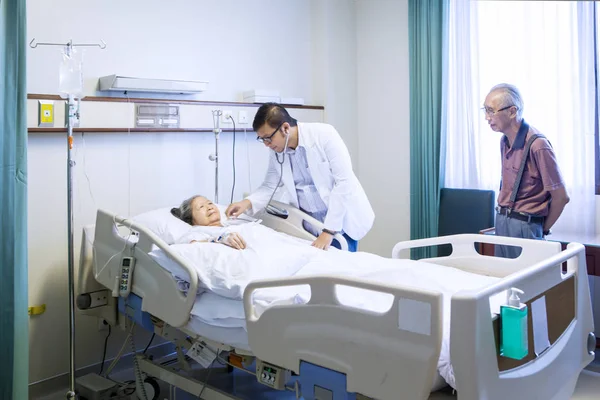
379, 352
291, 223
551, 374
463, 248
159, 292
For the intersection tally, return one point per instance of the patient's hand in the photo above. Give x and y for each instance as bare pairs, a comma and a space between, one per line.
323, 241
234, 240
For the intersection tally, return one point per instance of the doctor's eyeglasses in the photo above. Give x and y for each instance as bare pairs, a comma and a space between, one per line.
267, 139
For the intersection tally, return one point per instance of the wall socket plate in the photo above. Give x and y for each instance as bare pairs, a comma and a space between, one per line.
243, 117
102, 325
225, 116
45, 113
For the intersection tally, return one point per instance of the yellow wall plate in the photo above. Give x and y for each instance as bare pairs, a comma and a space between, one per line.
45, 113
37, 310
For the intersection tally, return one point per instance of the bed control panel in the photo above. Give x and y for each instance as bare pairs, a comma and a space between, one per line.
127, 266
271, 375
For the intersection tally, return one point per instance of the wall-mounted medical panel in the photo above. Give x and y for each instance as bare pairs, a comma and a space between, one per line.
155, 115
108, 114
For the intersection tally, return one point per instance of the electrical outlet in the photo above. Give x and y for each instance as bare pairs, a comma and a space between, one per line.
226, 116
102, 325
243, 117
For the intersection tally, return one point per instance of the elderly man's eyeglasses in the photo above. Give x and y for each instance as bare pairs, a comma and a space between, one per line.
268, 139
490, 112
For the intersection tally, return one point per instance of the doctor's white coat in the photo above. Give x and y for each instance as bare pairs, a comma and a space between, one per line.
330, 166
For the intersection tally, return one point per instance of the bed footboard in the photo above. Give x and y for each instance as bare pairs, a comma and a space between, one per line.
378, 352
552, 374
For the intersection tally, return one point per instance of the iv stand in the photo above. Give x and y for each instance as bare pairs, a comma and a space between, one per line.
215, 157
72, 118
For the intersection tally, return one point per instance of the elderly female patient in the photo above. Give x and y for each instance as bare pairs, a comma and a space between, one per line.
199, 211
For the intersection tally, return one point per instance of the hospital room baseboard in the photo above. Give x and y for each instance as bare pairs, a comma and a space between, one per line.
58, 382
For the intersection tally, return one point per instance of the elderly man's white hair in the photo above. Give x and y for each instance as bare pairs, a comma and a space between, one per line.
511, 97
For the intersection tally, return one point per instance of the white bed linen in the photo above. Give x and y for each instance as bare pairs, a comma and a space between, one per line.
226, 272
218, 311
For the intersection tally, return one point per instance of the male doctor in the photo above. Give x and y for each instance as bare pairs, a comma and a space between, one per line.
317, 177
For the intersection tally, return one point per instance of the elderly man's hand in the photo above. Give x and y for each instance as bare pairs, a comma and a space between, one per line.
323, 241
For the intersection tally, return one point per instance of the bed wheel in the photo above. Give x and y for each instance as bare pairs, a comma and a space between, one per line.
152, 389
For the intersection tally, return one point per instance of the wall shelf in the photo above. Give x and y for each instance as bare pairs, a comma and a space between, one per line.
132, 130
39, 96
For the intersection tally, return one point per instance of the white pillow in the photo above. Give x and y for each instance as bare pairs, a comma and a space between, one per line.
222, 209
164, 224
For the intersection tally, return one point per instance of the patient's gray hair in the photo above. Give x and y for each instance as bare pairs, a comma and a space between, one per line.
184, 212
511, 96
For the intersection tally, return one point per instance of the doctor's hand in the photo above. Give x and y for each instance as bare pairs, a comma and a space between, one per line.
236, 209
234, 240
323, 241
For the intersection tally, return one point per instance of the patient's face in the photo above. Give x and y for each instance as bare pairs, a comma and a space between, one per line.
205, 213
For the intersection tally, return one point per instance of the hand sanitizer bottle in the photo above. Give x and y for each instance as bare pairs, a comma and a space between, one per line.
513, 335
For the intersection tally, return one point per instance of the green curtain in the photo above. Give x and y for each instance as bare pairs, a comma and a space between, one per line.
14, 321
426, 25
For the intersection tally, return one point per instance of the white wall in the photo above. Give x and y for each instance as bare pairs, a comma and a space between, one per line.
334, 62
383, 119
234, 45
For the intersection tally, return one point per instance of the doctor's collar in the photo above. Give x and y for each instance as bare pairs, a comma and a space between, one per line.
300, 137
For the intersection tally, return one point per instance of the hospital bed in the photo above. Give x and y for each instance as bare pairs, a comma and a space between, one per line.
367, 354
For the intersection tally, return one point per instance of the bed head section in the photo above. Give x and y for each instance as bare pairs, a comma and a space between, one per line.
290, 222
380, 352
564, 324
116, 237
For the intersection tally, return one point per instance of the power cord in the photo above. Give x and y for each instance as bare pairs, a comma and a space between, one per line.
248, 161
233, 151
208, 376
128, 162
137, 371
149, 343
104, 352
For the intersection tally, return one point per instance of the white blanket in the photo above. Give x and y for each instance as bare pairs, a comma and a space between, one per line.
226, 272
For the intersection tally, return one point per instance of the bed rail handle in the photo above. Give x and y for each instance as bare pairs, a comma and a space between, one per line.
323, 292
462, 244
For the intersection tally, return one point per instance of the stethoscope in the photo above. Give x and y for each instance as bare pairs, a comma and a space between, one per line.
287, 138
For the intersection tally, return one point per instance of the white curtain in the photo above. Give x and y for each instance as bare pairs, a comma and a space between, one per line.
546, 49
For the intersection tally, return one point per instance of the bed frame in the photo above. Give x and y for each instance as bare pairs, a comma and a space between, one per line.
382, 355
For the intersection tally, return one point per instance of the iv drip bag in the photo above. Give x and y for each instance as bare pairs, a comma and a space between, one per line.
71, 74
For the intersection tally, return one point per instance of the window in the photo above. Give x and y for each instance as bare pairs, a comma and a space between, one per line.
546, 50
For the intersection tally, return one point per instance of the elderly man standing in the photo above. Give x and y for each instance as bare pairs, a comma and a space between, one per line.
532, 191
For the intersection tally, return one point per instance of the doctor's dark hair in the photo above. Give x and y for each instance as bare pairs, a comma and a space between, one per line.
184, 211
272, 114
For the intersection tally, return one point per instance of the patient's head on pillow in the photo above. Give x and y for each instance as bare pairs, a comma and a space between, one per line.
198, 210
